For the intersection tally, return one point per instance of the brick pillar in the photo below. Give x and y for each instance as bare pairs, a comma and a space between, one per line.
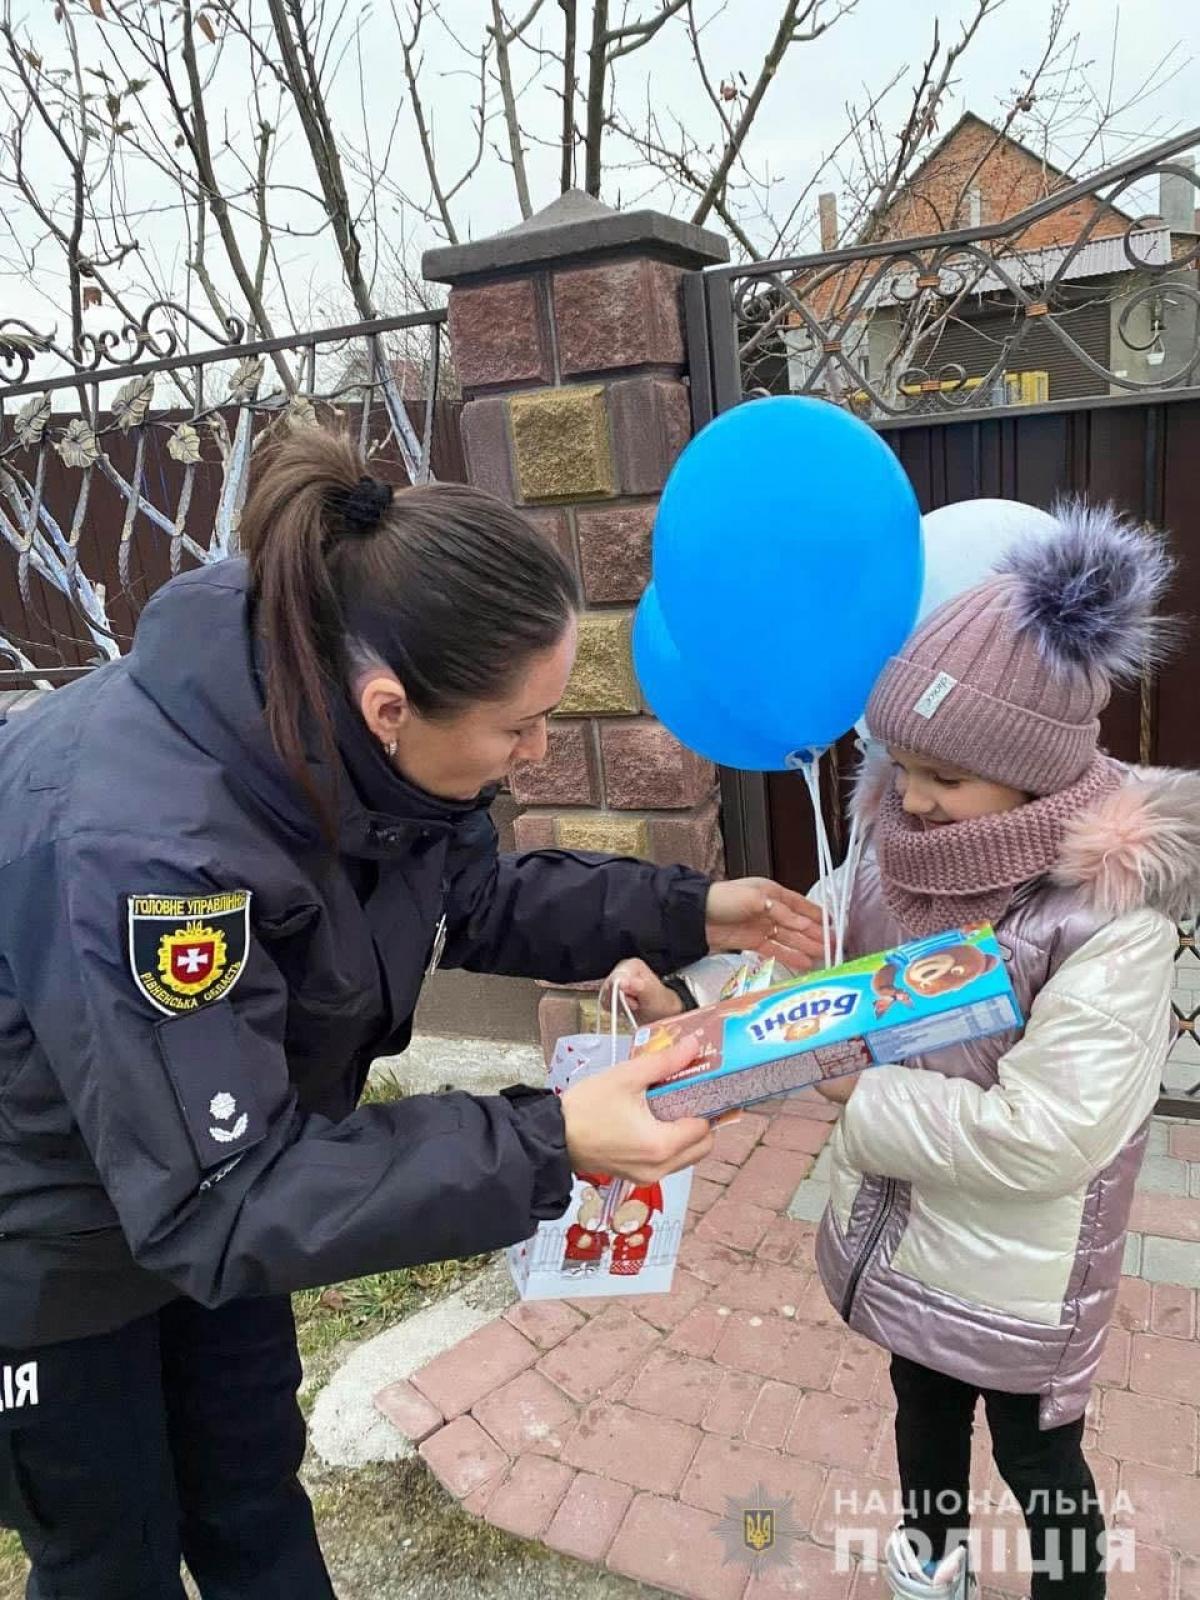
568, 341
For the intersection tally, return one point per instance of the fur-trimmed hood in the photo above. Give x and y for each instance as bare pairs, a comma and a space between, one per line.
1139, 846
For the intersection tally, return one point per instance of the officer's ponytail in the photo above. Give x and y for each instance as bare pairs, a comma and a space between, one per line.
448, 586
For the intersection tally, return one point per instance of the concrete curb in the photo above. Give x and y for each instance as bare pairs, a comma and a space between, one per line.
345, 1428
480, 1066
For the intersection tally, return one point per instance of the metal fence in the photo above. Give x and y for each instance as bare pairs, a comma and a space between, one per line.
862, 328
129, 459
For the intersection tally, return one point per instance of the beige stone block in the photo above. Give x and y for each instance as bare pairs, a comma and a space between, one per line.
562, 446
600, 830
603, 678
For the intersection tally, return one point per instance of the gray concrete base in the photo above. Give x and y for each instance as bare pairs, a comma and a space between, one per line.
345, 1429
482, 1066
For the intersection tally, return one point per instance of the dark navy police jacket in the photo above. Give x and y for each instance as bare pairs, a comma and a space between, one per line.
192, 988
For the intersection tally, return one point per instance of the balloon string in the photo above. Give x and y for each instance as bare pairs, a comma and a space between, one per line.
837, 887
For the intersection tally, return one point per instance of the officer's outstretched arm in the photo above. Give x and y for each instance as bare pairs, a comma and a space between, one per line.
163, 1020
569, 915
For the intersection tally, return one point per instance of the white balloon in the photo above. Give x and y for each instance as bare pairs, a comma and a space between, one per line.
964, 541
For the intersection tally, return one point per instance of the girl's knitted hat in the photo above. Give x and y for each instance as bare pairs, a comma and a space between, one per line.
1007, 680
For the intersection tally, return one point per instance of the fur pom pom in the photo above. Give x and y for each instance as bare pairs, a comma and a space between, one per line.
1139, 846
1088, 594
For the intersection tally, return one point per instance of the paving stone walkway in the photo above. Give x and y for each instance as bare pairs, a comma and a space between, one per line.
621, 1431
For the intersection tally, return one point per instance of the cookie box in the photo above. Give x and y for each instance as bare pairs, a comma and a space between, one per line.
909, 1001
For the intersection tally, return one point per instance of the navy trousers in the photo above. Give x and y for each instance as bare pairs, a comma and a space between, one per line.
176, 1437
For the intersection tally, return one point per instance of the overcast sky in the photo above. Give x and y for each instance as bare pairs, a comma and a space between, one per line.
803, 117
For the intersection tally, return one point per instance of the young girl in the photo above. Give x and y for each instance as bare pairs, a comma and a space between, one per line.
980, 1195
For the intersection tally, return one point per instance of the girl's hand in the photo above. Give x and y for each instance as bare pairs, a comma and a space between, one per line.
647, 995
839, 1089
758, 914
610, 1128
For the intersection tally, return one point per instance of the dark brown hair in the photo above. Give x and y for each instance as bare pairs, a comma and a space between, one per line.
450, 587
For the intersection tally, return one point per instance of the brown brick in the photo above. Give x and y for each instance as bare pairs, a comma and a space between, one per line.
651, 423
561, 442
554, 525
624, 314
614, 552
603, 679
558, 1014
566, 776
618, 836
534, 831
646, 768
692, 839
488, 448
497, 335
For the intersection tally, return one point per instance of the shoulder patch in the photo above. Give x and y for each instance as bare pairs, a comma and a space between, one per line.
187, 951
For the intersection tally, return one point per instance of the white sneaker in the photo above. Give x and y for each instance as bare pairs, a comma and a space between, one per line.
951, 1580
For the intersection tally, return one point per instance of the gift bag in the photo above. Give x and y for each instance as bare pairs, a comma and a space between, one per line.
615, 1237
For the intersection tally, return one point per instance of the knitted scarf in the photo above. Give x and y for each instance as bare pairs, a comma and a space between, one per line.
967, 872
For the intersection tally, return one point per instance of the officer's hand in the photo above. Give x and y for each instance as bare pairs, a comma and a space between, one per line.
610, 1127
758, 914
645, 993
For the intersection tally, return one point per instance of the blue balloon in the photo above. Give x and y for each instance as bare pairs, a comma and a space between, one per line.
670, 687
787, 560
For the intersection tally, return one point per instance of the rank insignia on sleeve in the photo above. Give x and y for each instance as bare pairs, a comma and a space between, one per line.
187, 951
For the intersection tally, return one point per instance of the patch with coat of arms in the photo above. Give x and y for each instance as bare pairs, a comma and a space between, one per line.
187, 951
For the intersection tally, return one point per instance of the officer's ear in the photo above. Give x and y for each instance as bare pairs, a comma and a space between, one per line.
384, 704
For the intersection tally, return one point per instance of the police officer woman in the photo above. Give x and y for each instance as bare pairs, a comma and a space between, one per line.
226, 863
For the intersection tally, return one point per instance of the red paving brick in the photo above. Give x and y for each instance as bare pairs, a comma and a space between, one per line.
807, 1103
716, 1171
704, 1196
810, 1573
1185, 1143
743, 1375
797, 1133
587, 1520
737, 1223
666, 1311
1150, 1579
761, 1286
530, 1495
1166, 1506
735, 1396
546, 1322
862, 1372
651, 1453
839, 1432
408, 1411
463, 1456
1133, 1305
701, 1331
711, 1262
788, 1241
768, 1423
770, 1177
734, 1142
673, 1385
596, 1355
1167, 1214
856, 1504
527, 1414
1159, 1433
455, 1380
1169, 1368
731, 1469
1173, 1311
773, 1348
676, 1547
1114, 1362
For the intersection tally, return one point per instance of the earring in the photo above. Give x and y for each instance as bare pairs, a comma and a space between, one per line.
390, 749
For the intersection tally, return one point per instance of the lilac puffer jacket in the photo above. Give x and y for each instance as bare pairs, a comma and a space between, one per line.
980, 1196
